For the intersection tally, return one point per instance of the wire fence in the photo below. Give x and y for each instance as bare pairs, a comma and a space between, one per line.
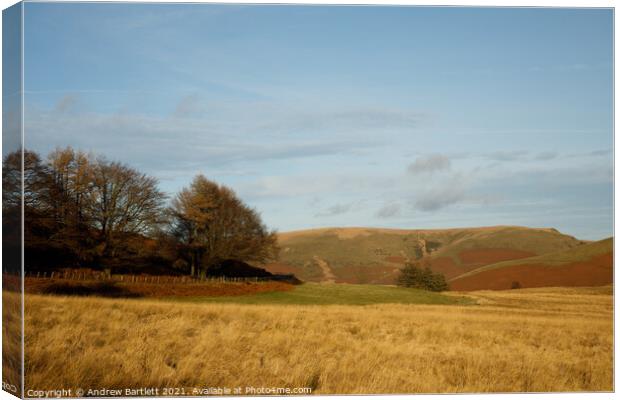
150, 279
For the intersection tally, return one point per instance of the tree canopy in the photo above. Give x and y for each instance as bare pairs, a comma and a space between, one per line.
214, 225
84, 210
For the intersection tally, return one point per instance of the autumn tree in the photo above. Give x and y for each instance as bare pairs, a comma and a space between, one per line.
11, 211
71, 174
45, 237
35, 185
214, 225
70, 190
121, 201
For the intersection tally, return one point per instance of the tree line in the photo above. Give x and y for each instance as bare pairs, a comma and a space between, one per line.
83, 210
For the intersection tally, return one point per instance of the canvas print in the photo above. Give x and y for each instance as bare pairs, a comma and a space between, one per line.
244, 199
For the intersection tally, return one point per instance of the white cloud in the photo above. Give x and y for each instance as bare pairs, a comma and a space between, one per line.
441, 196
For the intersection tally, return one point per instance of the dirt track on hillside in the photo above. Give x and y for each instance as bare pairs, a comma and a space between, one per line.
327, 271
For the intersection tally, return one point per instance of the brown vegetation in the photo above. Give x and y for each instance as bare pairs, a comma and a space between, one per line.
359, 274
483, 256
594, 272
396, 259
514, 341
445, 266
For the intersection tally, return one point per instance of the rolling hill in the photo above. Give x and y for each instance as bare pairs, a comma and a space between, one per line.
375, 255
590, 264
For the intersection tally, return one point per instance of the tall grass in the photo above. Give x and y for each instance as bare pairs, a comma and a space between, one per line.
11, 340
522, 340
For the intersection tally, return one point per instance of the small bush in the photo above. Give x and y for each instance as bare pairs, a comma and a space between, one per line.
415, 276
515, 285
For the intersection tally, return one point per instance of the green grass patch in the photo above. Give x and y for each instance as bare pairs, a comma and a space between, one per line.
344, 294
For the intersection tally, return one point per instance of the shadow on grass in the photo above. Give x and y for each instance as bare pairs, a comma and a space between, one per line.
101, 289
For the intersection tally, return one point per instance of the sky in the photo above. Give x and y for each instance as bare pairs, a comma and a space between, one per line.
404, 117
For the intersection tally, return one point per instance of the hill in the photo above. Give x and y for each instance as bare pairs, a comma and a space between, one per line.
590, 264
375, 255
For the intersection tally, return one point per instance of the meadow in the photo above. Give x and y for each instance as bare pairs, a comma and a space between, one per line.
529, 340
329, 294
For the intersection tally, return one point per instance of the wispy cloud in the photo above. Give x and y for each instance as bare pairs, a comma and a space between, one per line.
389, 210
188, 106
546, 155
336, 209
510, 155
429, 164
186, 141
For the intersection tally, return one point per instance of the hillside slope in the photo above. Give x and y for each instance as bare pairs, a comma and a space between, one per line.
590, 264
374, 255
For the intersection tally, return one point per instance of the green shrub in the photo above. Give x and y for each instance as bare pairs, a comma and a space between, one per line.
414, 276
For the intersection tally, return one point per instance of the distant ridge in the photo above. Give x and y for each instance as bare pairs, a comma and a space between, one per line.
353, 231
375, 255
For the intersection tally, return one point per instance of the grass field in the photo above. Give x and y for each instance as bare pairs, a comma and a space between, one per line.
11, 337
521, 340
324, 294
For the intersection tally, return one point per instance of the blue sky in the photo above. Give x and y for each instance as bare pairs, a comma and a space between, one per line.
318, 116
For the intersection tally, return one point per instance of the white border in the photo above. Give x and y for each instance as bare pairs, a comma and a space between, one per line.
478, 3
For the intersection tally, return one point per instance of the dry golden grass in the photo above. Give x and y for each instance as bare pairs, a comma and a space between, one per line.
11, 341
528, 340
